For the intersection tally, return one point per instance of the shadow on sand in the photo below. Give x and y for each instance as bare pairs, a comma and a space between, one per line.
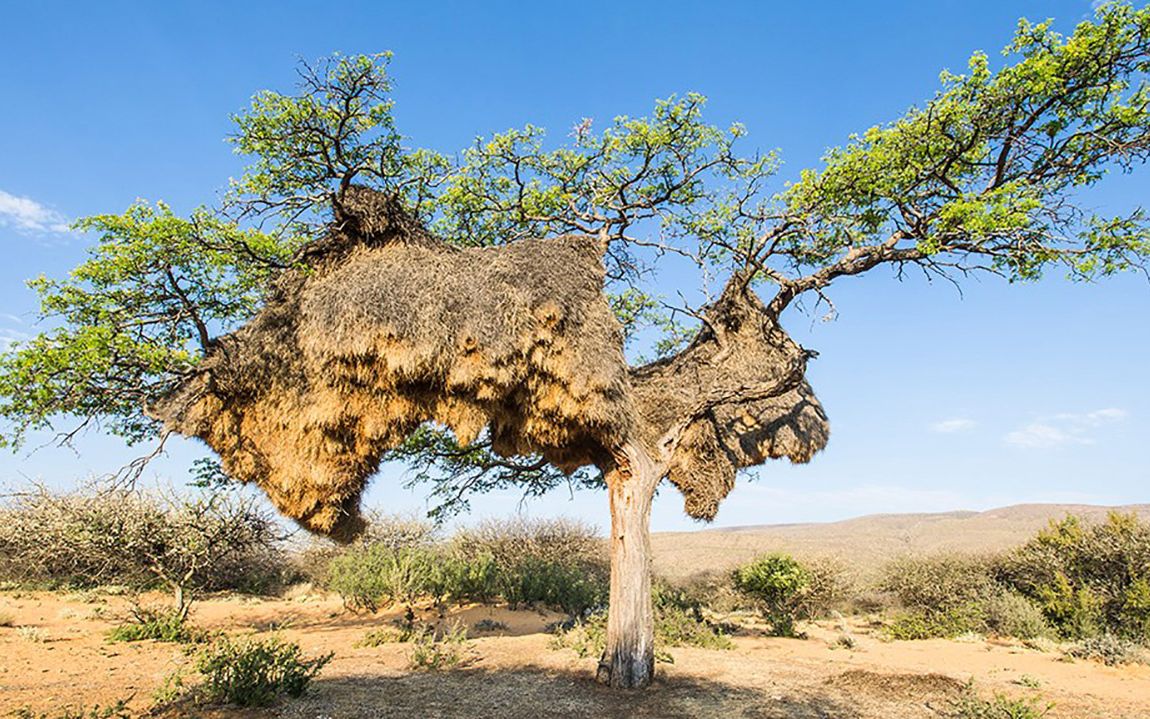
533, 693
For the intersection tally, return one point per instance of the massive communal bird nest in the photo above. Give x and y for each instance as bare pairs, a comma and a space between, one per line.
385, 327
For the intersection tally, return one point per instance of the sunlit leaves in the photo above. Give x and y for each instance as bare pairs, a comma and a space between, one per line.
986, 172
141, 310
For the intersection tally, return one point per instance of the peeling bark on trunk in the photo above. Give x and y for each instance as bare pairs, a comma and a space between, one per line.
629, 660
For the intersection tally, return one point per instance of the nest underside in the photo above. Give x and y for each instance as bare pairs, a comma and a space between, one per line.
387, 328
306, 398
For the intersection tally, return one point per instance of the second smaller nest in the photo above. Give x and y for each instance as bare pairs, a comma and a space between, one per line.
387, 329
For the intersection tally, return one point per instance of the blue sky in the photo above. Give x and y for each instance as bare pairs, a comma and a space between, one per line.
937, 400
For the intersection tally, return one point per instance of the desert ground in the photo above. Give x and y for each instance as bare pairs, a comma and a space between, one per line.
55, 654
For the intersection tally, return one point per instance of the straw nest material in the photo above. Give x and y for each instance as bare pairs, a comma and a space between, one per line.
741, 349
386, 327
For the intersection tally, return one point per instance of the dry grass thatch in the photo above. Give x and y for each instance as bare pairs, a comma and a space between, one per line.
388, 328
741, 346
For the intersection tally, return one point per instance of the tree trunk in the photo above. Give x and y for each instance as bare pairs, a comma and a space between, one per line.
629, 660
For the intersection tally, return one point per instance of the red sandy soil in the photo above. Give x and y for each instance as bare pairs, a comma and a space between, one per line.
65, 660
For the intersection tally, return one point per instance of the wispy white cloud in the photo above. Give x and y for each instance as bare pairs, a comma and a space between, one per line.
26, 215
8, 332
8, 337
1065, 429
949, 426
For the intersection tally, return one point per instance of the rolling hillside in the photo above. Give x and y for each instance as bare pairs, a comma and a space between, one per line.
865, 543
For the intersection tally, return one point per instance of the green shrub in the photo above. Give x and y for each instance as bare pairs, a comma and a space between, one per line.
587, 637
379, 637
1009, 614
780, 586
970, 705
566, 585
946, 624
1109, 650
522, 563
1087, 579
249, 672
366, 577
679, 620
161, 624
949, 595
430, 652
467, 578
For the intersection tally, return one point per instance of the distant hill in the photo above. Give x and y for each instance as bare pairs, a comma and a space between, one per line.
865, 543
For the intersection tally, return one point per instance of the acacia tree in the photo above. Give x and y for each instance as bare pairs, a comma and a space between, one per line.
983, 177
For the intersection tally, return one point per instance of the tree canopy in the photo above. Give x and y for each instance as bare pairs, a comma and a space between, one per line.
987, 175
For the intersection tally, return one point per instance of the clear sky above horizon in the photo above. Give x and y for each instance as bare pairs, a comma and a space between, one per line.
938, 400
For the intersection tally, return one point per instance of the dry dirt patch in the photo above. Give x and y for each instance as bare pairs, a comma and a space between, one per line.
514, 673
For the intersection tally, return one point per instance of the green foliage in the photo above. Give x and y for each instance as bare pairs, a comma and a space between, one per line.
1109, 649
305, 148
373, 575
1011, 615
982, 172
939, 582
587, 637
128, 321
778, 584
984, 176
386, 635
565, 585
547, 563
250, 672
949, 595
161, 624
679, 621
433, 652
970, 705
1088, 579
945, 623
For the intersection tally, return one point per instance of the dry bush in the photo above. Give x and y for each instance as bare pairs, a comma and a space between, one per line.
939, 582
90, 537
510, 541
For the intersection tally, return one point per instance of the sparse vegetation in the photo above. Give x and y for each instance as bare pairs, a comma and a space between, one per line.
1088, 579
255, 672
1108, 649
432, 651
551, 563
32, 634
1075, 580
971, 705
679, 622
119, 710
161, 624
